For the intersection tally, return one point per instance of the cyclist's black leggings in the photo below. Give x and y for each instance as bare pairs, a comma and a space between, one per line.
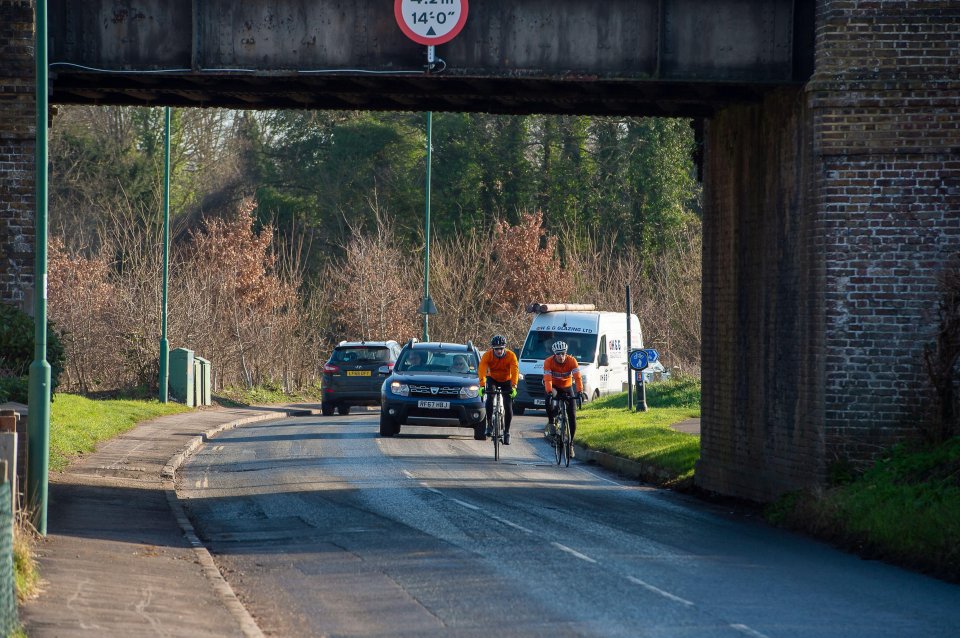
505, 388
571, 408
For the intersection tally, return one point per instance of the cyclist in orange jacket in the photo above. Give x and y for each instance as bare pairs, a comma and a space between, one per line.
560, 372
500, 364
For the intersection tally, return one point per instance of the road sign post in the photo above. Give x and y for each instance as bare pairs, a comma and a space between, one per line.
640, 360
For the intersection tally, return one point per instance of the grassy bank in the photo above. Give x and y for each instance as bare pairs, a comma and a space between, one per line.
905, 509
77, 424
267, 394
605, 425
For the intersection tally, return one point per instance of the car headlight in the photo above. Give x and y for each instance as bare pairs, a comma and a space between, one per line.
400, 389
520, 377
469, 392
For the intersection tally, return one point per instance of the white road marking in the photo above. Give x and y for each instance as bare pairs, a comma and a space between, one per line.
748, 631
511, 524
407, 474
434, 490
602, 478
218, 448
573, 552
465, 504
657, 590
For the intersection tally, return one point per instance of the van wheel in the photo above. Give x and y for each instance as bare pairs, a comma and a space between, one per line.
343, 409
518, 410
596, 395
326, 409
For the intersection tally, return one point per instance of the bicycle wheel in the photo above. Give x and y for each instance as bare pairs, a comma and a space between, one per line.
497, 423
558, 439
567, 443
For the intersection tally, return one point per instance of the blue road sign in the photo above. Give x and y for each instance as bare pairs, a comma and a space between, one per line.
652, 355
639, 359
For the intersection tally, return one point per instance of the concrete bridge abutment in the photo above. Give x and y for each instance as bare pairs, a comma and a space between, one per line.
829, 213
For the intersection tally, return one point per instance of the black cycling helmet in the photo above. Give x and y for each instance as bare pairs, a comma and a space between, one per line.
498, 341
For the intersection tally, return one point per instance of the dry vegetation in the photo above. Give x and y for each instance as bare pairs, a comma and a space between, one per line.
239, 300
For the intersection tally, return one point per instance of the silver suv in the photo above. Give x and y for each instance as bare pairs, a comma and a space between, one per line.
352, 374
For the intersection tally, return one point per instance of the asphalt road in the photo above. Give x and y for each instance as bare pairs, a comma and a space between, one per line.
323, 529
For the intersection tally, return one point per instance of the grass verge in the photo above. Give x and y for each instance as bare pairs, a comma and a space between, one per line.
77, 424
606, 426
266, 394
905, 509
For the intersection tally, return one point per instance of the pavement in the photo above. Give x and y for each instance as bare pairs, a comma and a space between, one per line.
121, 558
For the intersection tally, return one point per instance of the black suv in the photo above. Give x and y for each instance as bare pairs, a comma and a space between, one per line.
352, 375
433, 383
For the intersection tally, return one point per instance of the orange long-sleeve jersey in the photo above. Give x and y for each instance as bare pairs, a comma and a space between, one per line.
499, 369
561, 375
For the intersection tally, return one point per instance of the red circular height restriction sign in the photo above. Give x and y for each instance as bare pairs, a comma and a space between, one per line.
430, 21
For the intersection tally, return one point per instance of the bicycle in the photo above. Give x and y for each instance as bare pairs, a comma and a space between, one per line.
562, 442
496, 417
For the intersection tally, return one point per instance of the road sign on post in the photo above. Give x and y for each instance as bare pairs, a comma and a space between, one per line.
430, 23
639, 359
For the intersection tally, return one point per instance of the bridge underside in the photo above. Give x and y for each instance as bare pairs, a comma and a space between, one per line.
425, 93
647, 57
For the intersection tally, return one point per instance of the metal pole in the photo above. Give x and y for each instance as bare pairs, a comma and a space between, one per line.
164, 381
641, 394
38, 395
629, 350
426, 252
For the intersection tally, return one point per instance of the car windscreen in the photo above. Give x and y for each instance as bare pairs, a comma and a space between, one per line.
438, 361
361, 354
582, 346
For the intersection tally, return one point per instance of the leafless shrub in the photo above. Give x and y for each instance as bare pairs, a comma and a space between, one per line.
376, 285
665, 290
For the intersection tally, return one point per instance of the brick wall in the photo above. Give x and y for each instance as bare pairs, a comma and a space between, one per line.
886, 102
17, 134
858, 241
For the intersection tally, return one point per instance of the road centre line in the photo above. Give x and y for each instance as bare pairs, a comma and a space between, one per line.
657, 590
465, 504
510, 523
573, 552
748, 631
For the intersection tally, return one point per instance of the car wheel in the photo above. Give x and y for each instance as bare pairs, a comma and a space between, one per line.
480, 431
518, 410
343, 409
388, 427
596, 395
327, 409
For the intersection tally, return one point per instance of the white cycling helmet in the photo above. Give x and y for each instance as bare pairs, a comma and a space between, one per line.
559, 347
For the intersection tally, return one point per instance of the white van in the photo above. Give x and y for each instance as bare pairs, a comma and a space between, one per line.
598, 341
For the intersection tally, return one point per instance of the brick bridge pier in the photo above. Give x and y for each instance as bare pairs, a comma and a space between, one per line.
829, 211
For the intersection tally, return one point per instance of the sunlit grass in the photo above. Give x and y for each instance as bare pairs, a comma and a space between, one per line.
905, 508
606, 426
77, 424
267, 394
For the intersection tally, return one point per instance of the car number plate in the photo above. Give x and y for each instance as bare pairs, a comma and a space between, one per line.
539, 401
436, 405
358, 373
